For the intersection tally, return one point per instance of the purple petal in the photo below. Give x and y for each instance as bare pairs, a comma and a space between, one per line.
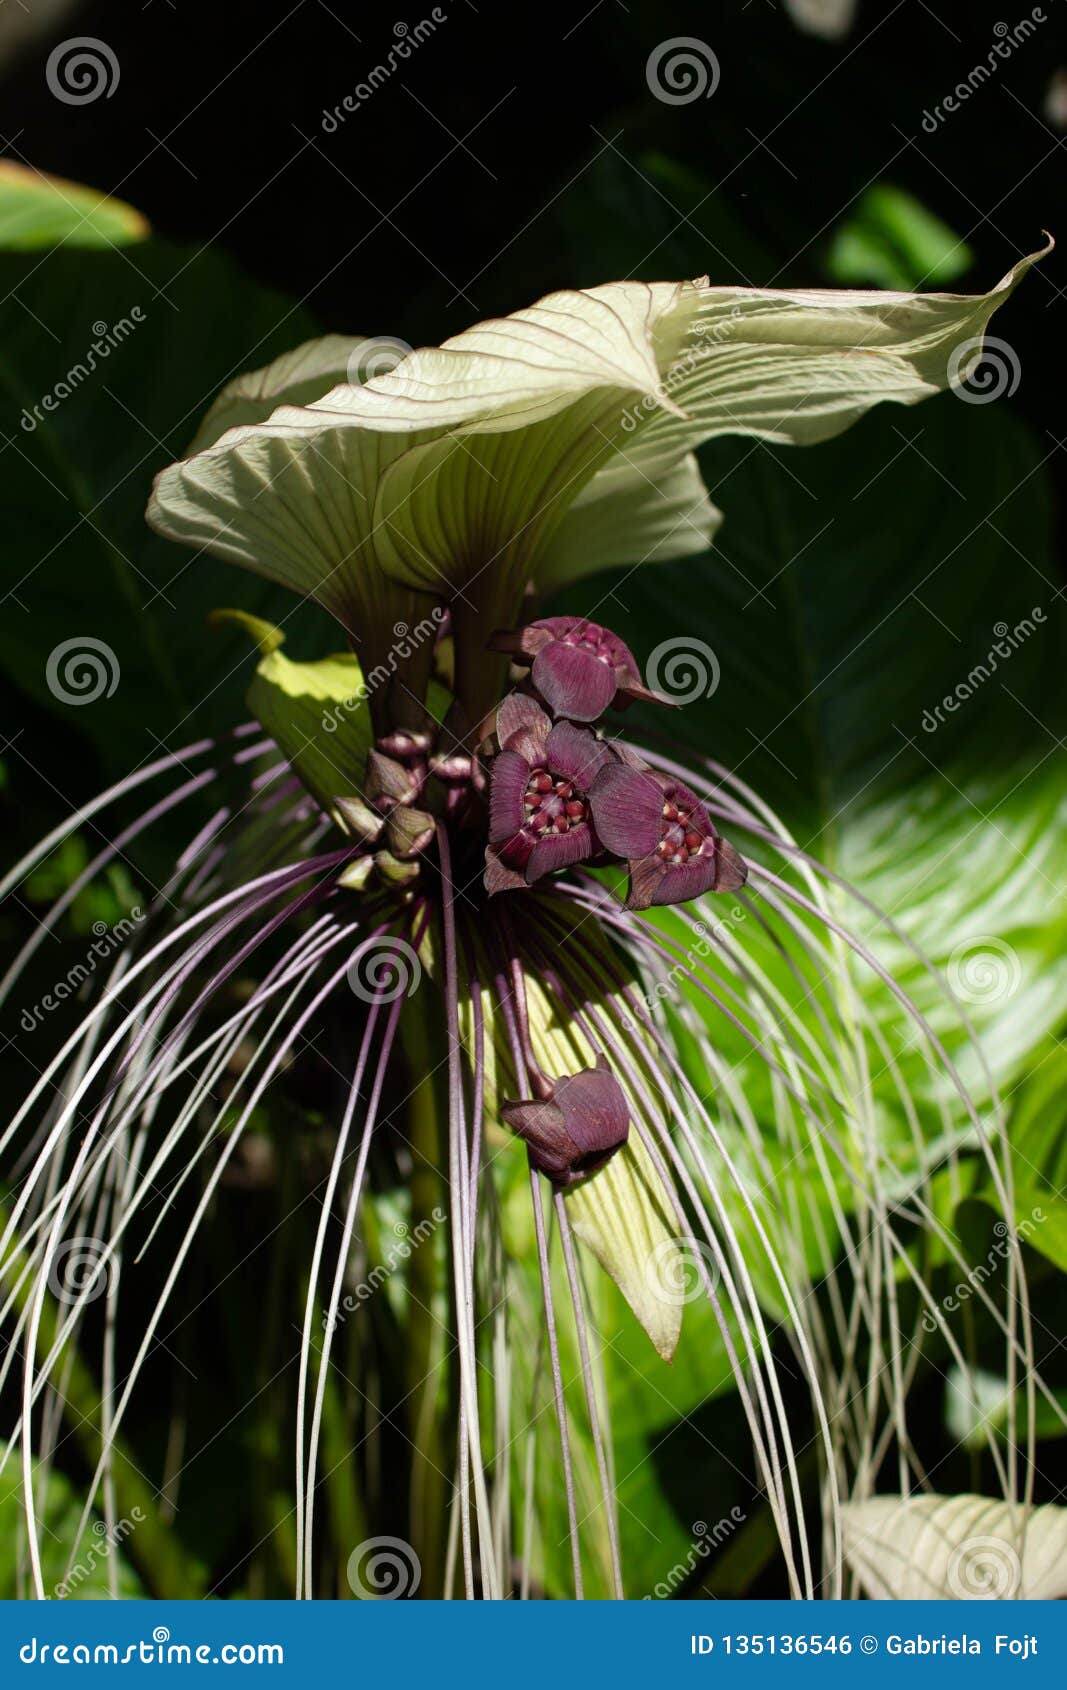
541, 1127
521, 725
576, 753
645, 876
558, 850
595, 1111
720, 869
627, 807
573, 681
520, 644
632, 690
509, 774
499, 878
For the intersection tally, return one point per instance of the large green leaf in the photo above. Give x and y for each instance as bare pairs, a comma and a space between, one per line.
80, 565
39, 211
73, 1565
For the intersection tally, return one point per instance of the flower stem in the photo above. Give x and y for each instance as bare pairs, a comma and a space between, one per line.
430, 1436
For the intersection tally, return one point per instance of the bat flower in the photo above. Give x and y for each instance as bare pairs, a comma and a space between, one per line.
578, 667
328, 917
577, 1127
664, 832
540, 813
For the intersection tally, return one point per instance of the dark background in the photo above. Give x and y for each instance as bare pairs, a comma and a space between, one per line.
462, 188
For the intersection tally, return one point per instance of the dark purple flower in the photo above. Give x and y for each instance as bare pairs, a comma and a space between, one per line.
666, 836
539, 812
578, 667
577, 1128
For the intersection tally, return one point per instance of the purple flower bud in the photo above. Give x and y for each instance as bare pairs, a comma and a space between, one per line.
539, 783
578, 1128
666, 836
578, 667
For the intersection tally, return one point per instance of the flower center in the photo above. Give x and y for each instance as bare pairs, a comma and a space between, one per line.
553, 805
597, 641
678, 839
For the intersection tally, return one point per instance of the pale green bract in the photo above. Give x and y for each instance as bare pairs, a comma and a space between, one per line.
544, 445
956, 1548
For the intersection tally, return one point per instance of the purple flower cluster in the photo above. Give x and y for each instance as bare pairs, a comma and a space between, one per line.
561, 794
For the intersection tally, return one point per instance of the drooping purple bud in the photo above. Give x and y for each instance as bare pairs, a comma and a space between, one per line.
666, 836
578, 1128
539, 784
578, 667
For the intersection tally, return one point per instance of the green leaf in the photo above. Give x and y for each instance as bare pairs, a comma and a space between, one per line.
890, 240
316, 713
72, 1566
79, 560
978, 1403
38, 211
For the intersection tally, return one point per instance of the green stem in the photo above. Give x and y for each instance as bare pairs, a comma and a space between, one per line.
431, 1461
